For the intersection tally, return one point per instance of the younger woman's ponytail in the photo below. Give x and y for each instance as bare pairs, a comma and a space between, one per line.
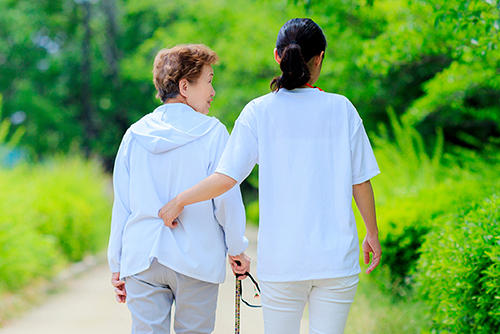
298, 41
295, 72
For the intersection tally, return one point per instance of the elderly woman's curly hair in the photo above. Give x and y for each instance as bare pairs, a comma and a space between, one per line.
180, 62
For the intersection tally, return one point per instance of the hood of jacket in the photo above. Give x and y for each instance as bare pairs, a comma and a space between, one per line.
170, 126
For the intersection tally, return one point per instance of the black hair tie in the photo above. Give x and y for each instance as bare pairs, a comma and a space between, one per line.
293, 42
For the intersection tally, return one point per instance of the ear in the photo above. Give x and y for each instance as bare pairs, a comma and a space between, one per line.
276, 57
319, 58
183, 87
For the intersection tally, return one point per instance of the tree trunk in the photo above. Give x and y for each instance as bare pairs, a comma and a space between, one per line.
86, 90
113, 55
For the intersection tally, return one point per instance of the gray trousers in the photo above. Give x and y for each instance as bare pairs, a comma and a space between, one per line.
151, 293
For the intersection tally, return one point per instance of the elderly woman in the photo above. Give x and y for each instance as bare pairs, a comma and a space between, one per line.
164, 153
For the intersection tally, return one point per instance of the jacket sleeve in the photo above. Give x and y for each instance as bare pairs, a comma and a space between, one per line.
228, 207
121, 205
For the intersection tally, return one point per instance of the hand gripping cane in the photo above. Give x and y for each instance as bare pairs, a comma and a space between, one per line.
239, 298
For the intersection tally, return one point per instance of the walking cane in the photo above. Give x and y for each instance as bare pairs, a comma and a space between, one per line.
239, 298
237, 307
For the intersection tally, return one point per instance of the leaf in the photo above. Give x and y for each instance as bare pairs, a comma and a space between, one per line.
440, 18
4, 130
463, 5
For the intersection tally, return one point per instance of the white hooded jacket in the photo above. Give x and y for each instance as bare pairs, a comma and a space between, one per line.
161, 155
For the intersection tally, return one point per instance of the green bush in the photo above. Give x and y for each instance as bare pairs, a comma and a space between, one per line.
25, 254
414, 188
73, 205
50, 214
460, 270
252, 212
404, 221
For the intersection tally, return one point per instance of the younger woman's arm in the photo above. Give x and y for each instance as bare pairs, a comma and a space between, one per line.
363, 195
211, 187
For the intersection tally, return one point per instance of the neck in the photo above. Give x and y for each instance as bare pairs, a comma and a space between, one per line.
178, 99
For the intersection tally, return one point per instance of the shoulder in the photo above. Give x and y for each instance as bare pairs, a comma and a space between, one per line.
256, 106
218, 125
260, 102
124, 148
269, 97
337, 99
127, 137
343, 103
219, 130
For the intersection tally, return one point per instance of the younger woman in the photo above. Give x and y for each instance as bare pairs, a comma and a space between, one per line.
314, 156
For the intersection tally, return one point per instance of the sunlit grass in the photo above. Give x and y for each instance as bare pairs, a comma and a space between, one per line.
51, 213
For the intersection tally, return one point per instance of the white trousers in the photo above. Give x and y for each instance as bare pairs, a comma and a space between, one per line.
151, 293
329, 302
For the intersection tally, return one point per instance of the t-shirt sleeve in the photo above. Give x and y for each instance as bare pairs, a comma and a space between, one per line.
363, 162
241, 153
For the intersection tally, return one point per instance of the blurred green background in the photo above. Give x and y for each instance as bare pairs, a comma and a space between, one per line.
423, 74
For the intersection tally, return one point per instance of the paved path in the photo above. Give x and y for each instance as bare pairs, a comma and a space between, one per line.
87, 305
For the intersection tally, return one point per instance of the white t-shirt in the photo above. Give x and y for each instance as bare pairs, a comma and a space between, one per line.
311, 148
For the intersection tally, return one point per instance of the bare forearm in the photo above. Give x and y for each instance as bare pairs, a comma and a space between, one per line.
211, 187
363, 195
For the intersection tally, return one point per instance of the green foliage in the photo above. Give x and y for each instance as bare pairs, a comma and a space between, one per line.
452, 50
242, 33
73, 205
401, 252
8, 138
434, 63
407, 194
25, 254
50, 214
460, 269
81, 85
414, 188
252, 212
406, 153
474, 23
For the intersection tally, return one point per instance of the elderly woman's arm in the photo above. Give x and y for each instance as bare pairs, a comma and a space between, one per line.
211, 187
363, 195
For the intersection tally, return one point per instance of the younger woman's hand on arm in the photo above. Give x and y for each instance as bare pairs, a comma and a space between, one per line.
170, 211
211, 187
363, 195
